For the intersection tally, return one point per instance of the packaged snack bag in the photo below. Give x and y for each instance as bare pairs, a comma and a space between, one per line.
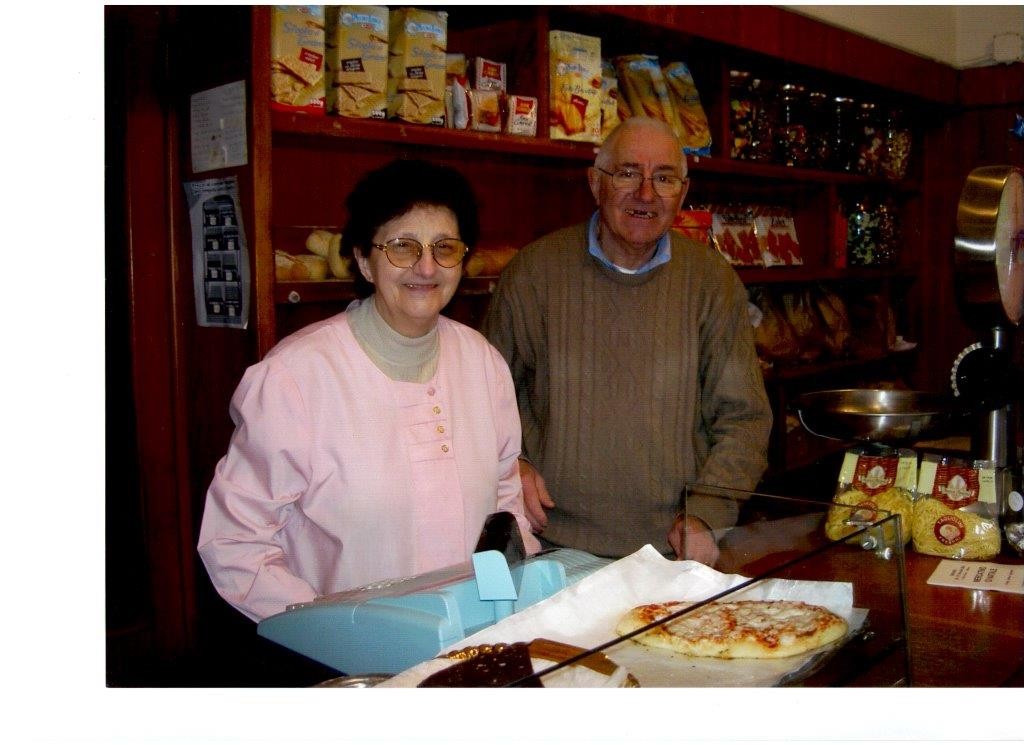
643, 85
776, 235
695, 134
417, 62
522, 116
485, 110
610, 103
456, 93
575, 71
489, 75
357, 60
694, 224
297, 46
957, 514
878, 481
735, 237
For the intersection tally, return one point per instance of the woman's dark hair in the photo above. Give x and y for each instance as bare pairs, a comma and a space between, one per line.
396, 188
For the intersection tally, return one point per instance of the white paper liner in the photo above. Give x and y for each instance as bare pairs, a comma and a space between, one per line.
585, 615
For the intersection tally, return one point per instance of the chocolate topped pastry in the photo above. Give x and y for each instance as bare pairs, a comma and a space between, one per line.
497, 666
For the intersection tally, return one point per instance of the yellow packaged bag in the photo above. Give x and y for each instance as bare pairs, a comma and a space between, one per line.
957, 516
417, 62
878, 482
357, 60
575, 71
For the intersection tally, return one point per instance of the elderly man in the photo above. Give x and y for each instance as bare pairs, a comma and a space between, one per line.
634, 364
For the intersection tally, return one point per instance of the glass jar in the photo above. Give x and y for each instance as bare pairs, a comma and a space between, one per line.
896, 147
791, 130
741, 113
841, 140
862, 234
761, 135
888, 234
869, 130
819, 148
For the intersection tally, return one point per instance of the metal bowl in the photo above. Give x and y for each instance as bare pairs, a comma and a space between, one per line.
870, 415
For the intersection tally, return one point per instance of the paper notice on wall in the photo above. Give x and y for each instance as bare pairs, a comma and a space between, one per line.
979, 575
220, 258
217, 126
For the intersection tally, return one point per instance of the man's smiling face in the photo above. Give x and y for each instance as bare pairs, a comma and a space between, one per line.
632, 220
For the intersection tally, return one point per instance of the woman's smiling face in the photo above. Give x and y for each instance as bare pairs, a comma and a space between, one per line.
411, 299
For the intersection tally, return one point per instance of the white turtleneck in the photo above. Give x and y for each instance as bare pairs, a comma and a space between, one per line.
401, 358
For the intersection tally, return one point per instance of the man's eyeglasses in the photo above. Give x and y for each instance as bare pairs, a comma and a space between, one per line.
664, 184
405, 252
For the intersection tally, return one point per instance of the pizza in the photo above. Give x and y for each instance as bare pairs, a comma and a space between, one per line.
742, 629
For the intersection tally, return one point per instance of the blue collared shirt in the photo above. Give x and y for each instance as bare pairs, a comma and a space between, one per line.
662, 252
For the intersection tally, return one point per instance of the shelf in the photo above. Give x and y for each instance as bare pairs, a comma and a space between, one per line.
340, 290
797, 372
803, 274
330, 127
287, 125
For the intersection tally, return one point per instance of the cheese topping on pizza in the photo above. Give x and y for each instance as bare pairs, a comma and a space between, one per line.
749, 629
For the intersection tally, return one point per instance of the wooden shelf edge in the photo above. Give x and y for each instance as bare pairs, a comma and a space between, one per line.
341, 290
339, 127
788, 373
804, 274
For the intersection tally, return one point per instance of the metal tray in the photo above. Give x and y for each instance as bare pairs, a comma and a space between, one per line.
872, 415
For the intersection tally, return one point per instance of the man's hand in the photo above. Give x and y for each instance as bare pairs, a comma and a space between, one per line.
535, 496
691, 538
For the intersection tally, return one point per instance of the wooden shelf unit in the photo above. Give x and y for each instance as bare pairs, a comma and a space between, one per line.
304, 166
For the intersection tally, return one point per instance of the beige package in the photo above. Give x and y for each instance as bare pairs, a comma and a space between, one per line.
522, 116
417, 62
575, 68
297, 46
357, 60
485, 110
611, 106
643, 85
695, 132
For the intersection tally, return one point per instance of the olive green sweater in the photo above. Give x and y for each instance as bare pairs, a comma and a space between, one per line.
630, 386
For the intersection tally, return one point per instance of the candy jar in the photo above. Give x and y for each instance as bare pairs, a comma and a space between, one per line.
741, 113
791, 129
869, 156
764, 121
841, 128
819, 148
861, 234
896, 148
887, 247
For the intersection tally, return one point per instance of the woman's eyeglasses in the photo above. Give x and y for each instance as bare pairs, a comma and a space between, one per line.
405, 252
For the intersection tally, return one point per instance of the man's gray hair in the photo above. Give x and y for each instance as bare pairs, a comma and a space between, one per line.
604, 155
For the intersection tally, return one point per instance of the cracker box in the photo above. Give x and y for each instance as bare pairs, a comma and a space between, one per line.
297, 49
417, 63
575, 71
357, 60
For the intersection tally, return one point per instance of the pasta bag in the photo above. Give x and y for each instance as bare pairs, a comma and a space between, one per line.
957, 516
877, 482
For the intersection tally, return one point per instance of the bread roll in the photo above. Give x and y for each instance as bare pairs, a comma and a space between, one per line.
319, 242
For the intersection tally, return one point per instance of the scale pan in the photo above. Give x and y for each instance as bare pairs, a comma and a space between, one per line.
872, 415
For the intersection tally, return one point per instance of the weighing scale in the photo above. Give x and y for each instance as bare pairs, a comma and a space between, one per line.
986, 377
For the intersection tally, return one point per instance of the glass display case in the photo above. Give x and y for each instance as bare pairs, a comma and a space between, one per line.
769, 548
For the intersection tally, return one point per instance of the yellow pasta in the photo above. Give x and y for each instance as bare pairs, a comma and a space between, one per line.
893, 501
953, 534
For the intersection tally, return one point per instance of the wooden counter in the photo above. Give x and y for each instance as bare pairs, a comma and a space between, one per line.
963, 637
957, 637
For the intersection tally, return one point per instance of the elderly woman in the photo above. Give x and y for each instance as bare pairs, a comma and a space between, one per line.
373, 444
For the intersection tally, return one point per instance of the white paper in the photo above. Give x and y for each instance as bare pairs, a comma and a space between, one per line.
585, 615
979, 575
218, 128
